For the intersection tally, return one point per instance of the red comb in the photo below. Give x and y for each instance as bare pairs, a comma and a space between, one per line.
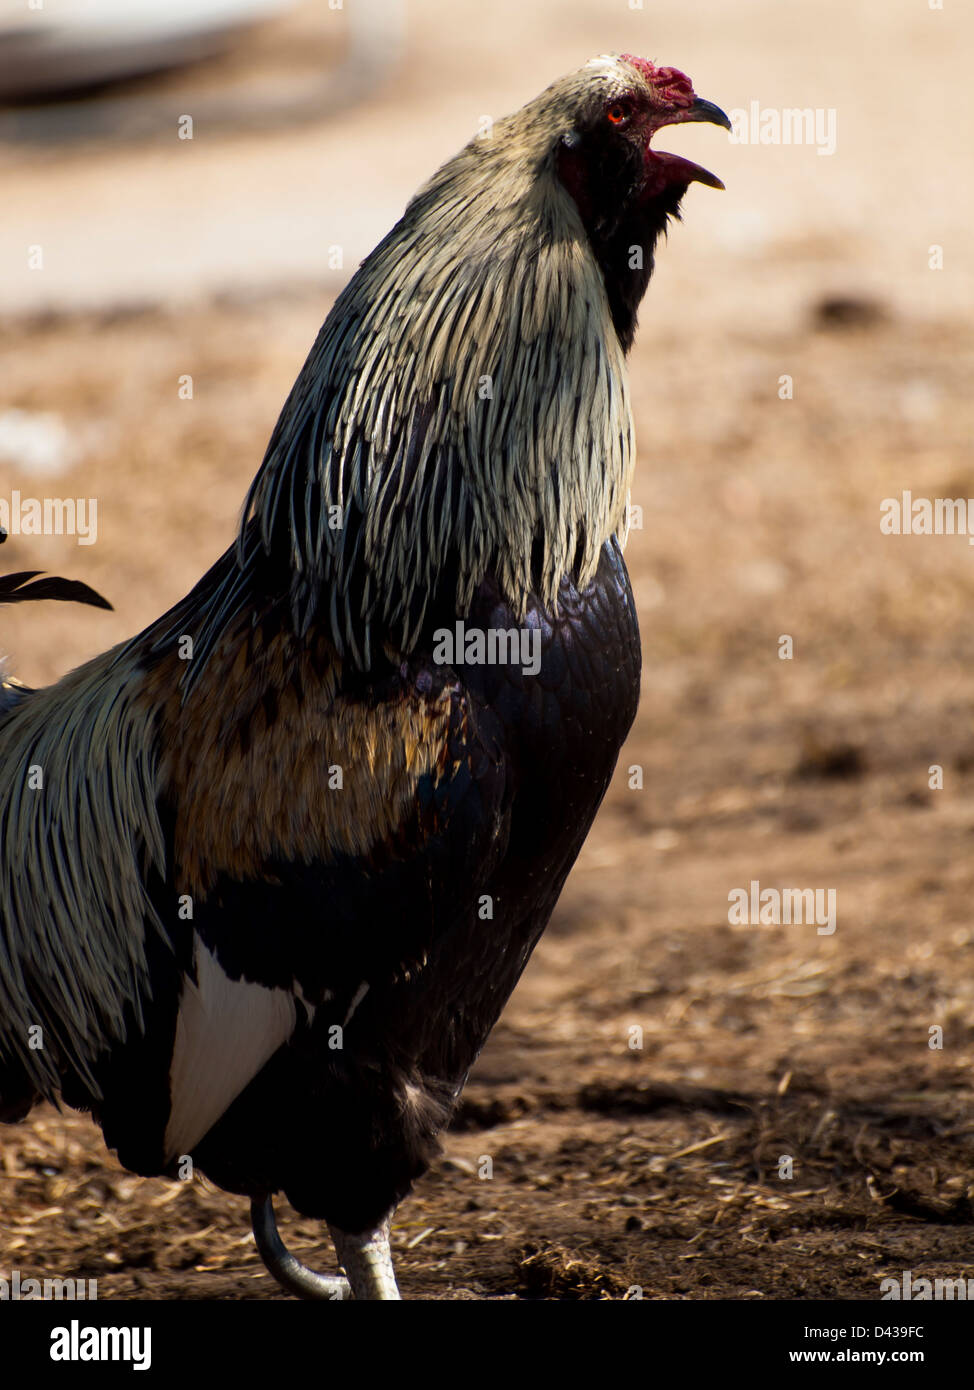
674, 86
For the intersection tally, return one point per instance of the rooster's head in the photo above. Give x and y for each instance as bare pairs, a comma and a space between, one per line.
605, 158
600, 124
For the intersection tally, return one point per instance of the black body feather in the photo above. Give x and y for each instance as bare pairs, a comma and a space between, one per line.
345, 1132
18, 588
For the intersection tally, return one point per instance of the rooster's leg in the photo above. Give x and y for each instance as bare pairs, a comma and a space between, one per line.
289, 1272
367, 1261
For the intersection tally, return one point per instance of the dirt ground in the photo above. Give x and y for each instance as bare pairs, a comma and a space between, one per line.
657, 1063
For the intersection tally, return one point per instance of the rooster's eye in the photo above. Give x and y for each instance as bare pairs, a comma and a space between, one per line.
617, 114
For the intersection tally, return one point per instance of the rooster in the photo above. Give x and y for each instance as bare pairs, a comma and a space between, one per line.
292, 850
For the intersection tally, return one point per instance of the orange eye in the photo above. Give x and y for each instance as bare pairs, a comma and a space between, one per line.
617, 113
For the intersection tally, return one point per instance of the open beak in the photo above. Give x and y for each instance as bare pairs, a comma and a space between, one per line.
675, 169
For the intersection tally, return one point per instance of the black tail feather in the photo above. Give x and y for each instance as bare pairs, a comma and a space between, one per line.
17, 588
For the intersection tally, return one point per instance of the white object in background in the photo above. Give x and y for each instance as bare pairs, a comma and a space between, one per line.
38, 444
68, 44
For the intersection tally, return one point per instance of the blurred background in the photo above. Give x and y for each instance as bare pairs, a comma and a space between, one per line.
806, 351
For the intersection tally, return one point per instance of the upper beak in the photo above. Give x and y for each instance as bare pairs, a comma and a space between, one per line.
706, 111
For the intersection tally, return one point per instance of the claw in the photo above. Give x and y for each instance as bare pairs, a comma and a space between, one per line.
289, 1272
